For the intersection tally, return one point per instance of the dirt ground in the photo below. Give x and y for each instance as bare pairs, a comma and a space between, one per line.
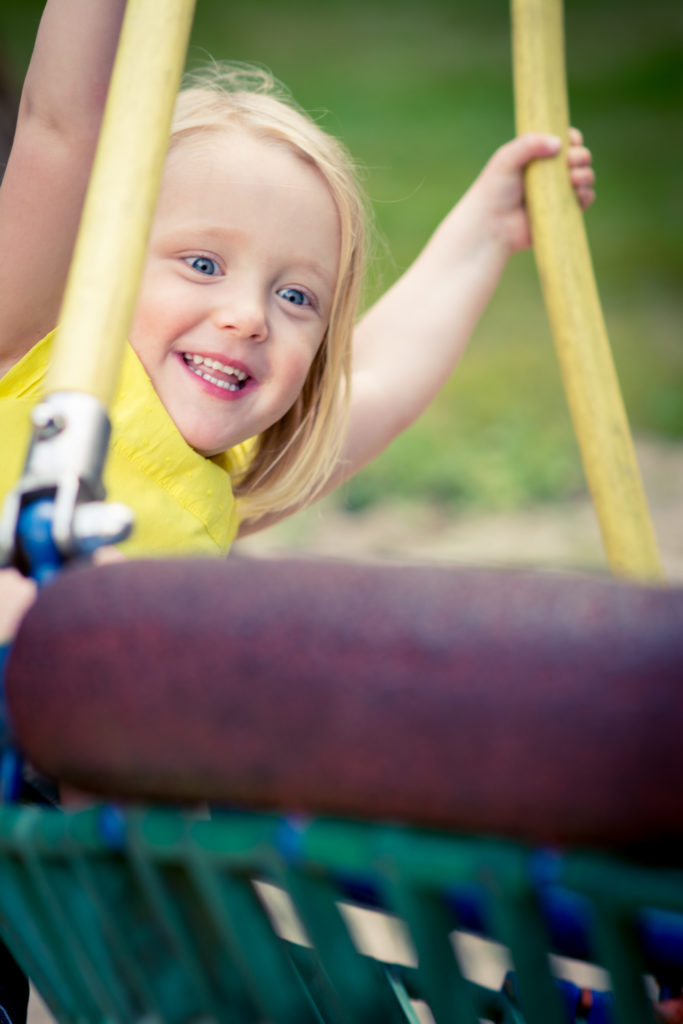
561, 537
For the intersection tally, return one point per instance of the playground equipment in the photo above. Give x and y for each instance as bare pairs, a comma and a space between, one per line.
573, 302
477, 750
487, 751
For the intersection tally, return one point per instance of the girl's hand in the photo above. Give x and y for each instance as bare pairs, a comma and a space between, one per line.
17, 594
107, 555
581, 173
437, 302
502, 182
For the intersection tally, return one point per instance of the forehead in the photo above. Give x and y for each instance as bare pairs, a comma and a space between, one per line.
229, 178
234, 150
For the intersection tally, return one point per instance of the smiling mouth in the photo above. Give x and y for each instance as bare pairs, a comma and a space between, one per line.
223, 375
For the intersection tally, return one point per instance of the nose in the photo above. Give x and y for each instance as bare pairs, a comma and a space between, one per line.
242, 313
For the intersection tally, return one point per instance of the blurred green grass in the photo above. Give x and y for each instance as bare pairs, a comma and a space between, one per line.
422, 95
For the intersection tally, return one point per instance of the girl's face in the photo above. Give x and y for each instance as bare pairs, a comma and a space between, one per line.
238, 284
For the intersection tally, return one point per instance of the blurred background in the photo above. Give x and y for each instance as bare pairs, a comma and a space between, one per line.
422, 95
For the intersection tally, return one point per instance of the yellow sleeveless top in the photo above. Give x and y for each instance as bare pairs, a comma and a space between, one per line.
183, 502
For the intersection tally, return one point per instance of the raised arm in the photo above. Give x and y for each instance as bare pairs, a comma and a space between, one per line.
47, 173
408, 344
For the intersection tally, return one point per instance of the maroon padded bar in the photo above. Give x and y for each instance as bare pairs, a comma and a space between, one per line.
542, 706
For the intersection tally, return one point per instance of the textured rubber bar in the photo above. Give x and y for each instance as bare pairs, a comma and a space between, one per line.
537, 706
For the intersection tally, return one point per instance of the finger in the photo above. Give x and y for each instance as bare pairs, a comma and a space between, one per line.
579, 156
106, 555
17, 594
585, 197
582, 177
575, 137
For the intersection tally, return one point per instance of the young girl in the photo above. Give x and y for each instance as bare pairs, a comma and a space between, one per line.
246, 392
237, 403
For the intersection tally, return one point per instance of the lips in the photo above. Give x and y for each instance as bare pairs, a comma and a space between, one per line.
222, 375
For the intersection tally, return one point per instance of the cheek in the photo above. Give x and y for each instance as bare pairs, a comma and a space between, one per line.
142, 340
145, 315
138, 327
155, 322
299, 366
158, 299
291, 379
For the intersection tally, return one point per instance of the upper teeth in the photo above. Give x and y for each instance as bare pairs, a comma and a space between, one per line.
201, 365
214, 364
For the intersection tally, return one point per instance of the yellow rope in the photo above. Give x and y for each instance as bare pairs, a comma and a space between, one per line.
571, 297
100, 295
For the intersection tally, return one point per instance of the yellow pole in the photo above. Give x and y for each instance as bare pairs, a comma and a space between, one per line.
571, 297
100, 294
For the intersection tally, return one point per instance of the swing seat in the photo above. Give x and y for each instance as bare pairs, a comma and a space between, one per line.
466, 751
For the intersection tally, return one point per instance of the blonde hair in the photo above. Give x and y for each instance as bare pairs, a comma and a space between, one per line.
294, 457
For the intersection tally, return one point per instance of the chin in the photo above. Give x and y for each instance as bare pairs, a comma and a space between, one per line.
204, 441
203, 445
208, 450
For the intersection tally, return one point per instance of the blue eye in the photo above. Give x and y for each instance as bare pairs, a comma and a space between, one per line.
203, 265
295, 296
